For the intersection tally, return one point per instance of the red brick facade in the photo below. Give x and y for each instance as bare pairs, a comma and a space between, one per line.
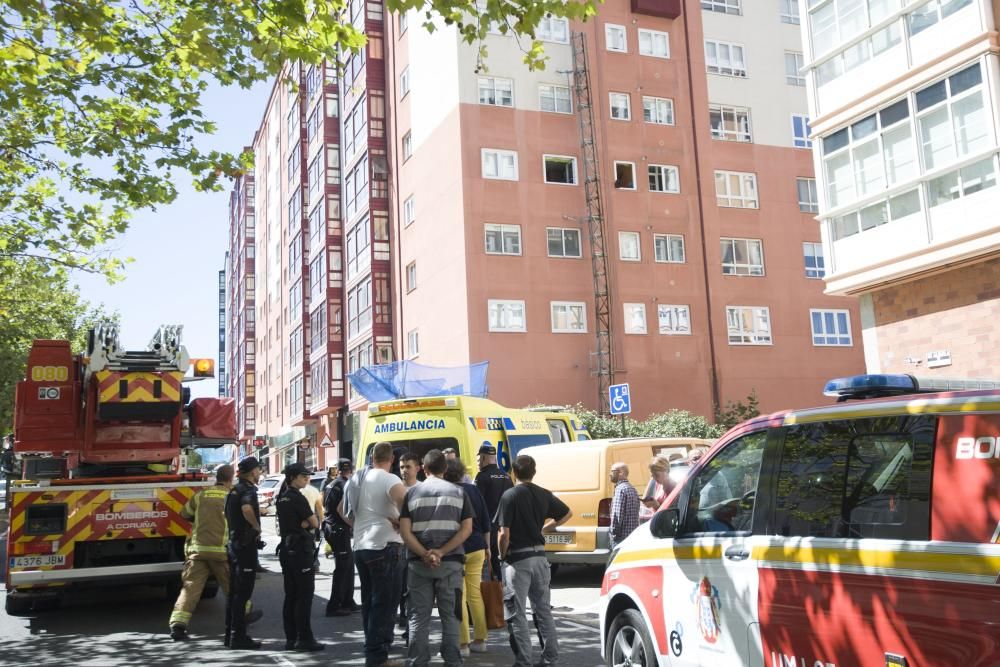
956, 311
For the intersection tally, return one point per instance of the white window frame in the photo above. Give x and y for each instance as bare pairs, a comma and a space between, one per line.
404, 82
552, 90
656, 108
667, 257
814, 250
811, 203
747, 197
489, 84
411, 276
409, 210
413, 343
503, 230
801, 121
827, 335
500, 305
629, 309
498, 154
730, 65
734, 7
566, 305
406, 146
614, 98
563, 159
666, 173
756, 336
635, 178
790, 12
674, 313
737, 118
653, 35
793, 75
613, 28
638, 246
546, 30
562, 236
742, 269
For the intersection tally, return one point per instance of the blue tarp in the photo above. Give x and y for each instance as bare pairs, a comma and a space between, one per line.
406, 379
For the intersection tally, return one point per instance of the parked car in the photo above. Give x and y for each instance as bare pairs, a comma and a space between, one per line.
585, 487
266, 492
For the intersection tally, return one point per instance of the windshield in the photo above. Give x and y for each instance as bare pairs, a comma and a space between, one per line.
268, 483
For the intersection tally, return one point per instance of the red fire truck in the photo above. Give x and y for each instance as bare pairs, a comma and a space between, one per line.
104, 440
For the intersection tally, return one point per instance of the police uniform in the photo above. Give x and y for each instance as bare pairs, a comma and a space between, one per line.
205, 550
492, 482
338, 536
296, 553
242, 550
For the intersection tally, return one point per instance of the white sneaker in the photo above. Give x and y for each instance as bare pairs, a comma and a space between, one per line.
478, 647
464, 650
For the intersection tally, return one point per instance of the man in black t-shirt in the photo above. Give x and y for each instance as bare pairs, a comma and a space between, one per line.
296, 523
492, 482
526, 511
243, 517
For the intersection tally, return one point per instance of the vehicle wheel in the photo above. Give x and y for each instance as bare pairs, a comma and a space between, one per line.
16, 606
172, 589
48, 603
210, 591
629, 644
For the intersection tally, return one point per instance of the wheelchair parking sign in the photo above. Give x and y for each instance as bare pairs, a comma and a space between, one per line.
620, 400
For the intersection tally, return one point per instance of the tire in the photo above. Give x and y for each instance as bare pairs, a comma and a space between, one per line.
210, 591
17, 606
629, 642
48, 603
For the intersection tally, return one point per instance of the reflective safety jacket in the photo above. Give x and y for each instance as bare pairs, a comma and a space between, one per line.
209, 532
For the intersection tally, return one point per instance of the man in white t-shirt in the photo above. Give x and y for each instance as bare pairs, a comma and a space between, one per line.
374, 497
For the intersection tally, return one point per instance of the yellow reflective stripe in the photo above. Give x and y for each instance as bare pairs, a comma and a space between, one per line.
972, 564
180, 618
204, 548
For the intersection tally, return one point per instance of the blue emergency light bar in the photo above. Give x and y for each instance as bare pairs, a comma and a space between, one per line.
873, 386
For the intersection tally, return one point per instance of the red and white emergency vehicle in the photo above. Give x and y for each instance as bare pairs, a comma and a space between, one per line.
861, 533
102, 438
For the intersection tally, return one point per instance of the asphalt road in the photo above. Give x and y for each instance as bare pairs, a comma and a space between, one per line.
119, 626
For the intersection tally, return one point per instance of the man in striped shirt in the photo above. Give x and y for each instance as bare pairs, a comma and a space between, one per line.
435, 520
624, 505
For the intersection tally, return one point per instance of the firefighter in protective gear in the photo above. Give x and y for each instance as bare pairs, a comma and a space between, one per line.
205, 550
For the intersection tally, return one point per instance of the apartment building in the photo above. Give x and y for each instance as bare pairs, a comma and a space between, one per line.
434, 209
703, 157
904, 100
237, 339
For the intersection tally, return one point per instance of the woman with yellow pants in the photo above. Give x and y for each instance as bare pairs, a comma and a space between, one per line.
476, 553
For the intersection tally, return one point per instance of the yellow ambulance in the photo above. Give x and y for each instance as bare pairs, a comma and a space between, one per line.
464, 423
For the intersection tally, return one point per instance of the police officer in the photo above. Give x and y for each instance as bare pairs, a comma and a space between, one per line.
492, 482
205, 550
243, 516
296, 523
338, 537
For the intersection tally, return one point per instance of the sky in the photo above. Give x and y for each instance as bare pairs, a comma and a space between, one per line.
180, 249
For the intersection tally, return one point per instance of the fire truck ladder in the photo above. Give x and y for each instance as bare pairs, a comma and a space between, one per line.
595, 222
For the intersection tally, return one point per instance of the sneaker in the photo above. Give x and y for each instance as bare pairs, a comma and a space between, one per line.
330, 611
178, 632
478, 647
464, 651
244, 643
254, 616
290, 645
310, 646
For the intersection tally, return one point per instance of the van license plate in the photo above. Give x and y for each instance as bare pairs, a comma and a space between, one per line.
558, 538
41, 560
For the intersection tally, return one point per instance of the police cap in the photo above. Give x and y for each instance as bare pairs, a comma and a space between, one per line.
296, 469
487, 450
344, 465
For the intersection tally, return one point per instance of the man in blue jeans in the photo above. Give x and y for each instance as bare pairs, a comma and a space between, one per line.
372, 499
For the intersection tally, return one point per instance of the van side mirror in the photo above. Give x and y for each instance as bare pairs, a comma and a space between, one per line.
665, 523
